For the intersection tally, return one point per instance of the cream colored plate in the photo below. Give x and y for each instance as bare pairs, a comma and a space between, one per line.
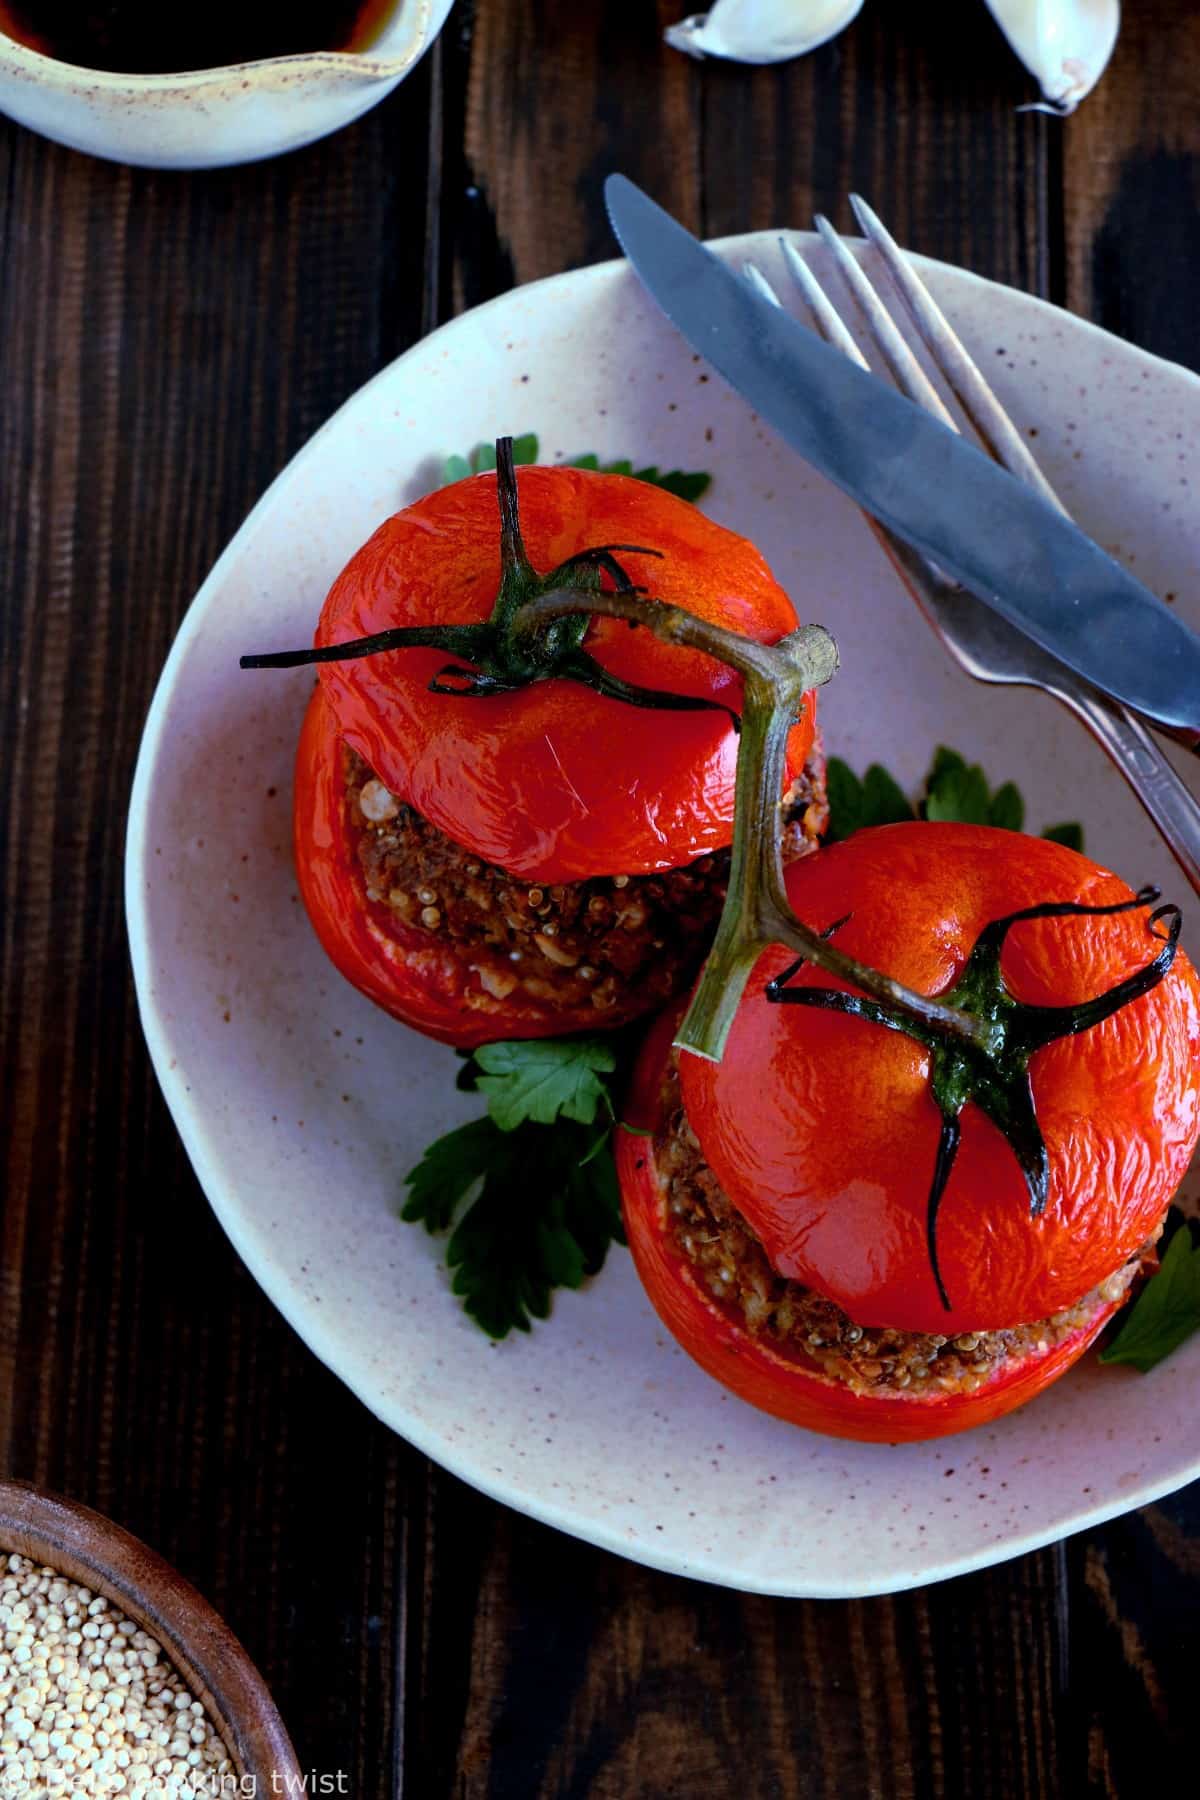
302, 1106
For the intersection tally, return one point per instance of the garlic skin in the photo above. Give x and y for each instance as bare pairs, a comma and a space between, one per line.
1064, 43
762, 31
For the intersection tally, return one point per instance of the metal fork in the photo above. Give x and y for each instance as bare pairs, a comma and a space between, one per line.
986, 646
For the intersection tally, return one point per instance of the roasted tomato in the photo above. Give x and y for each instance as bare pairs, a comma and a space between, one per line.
779, 1219
545, 860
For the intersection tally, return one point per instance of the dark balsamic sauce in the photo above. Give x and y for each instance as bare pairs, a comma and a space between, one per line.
146, 37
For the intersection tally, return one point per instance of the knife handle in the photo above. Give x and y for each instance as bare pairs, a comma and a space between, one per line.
1174, 809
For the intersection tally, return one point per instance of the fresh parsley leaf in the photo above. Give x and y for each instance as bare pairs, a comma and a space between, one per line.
455, 468
483, 457
592, 1206
446, 1174
1166, 1311
882, 797
875, 800
1006, 807
529, 1192
688, 485
1070, 834
954, 790
600, 1143
546, 1207
684, 484
541, 1079
843, 790
946, 764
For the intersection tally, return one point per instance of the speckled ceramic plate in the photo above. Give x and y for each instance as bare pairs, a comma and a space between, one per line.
301, 1106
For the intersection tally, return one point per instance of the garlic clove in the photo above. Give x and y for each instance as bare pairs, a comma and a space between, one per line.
1064, 43
762, 31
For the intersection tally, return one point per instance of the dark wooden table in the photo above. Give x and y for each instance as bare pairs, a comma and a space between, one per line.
166, 343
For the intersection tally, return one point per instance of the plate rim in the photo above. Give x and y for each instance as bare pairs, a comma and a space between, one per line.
306, 1320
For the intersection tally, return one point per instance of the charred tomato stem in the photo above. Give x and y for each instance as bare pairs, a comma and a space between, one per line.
516, 570
949, 1139
994, 1073
516, 645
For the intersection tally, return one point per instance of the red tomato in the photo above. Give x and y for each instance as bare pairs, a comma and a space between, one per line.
792, 1386
410, 973
834, 1172
554, 782
823, 1132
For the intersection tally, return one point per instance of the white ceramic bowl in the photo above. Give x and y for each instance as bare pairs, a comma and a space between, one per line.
207, 119
302, 1106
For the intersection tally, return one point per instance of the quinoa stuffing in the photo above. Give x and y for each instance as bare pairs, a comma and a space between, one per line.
731, 1263
619, 943
89, 1705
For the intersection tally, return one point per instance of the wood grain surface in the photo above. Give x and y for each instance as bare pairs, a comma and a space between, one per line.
166, 343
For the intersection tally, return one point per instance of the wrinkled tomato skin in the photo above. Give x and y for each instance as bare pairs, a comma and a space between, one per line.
791, 1387
404, 971
554, 782
823, 1131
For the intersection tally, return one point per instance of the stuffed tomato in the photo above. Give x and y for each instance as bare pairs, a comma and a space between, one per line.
780, 1214
549, 858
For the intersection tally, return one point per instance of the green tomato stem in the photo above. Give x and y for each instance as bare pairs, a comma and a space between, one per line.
757, 912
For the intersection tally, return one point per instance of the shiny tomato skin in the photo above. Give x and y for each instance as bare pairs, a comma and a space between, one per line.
792, 1386
823, 1131
406, 972
554, 782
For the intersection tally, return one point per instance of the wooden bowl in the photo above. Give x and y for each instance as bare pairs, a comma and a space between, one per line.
96, 1553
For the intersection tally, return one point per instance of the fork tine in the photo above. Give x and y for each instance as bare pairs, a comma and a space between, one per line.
829, 321
950, 354
760, 284
923, 577
909, 376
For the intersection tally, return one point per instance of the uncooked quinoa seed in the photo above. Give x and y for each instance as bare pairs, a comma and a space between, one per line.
90, 1707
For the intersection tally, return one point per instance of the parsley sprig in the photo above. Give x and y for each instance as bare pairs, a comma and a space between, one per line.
685, 484
543, 1079
953, 790
1168, 1308
529, 1192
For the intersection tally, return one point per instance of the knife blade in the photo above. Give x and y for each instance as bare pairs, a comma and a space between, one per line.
989, 531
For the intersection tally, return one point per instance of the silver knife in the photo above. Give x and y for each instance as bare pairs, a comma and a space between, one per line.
989, 531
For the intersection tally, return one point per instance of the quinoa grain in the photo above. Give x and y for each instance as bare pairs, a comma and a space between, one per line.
378, 804
90, 1707
620, 943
